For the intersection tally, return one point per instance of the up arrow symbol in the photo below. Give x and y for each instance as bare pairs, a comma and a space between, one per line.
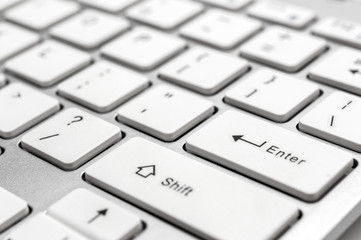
146, 171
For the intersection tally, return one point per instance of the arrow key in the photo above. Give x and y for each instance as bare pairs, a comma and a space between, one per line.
342, 69
95, 217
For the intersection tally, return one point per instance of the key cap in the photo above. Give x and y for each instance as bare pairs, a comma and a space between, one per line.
42, 227
228, 4
48, 63
95, 217
164, 14
293, 163
341, 30
2, 80
221, 29
342, 69
103, 86
165, 112
4, 4
272, 94
12, 209
109, 5
154, 48
22, 107
204, 70
70, 138
284, 49
282, 13
14, 39
336, 119
47, 13
179, 187
90, 29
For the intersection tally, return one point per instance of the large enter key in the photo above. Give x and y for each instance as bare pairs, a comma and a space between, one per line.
195, 197
296, 164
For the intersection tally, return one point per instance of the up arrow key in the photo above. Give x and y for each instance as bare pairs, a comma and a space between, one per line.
146, 171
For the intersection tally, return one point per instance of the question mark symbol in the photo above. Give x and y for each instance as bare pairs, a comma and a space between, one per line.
76, 119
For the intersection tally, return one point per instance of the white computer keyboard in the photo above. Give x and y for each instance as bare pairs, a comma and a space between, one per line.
178, 119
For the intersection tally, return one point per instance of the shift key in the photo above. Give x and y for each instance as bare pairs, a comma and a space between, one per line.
193, 196
298, 165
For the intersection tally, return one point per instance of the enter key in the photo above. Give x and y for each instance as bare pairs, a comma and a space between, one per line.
293, 163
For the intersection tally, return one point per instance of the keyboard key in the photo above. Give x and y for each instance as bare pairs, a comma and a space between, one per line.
272, 94
341, 30
336, 119
184, 192
22, 107
154, 48
221, 29
2, 80
229, 4
288, 161
12, 209
90, 29
282, 13
48, 63
95, 217
109, 5
165, 14
342, 69
284, 49
14, 39
103, 86
4, 4
47, 13
165, 112
42, 227
204, 70
70, 138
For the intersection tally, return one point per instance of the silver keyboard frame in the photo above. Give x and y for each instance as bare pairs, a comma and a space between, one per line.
41, 184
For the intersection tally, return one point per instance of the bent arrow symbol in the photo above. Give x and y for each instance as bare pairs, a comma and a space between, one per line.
240, 137
146, 171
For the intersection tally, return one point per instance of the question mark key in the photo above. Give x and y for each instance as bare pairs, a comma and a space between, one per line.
76, 141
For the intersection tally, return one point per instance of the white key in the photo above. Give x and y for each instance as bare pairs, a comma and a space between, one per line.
95, 217
165, 14
283, 48
70, 138
12, 209
90, 28
341, 30
221, 29
109, 5
42, 227
48, 63
165, 112
341, 69
103, 86
22, 107
143, 48
229, 4
282, 13
336, 119
272, 94
14, 39
47, 13
283, 159
187, 193
204, 70
4, 4
2, 80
